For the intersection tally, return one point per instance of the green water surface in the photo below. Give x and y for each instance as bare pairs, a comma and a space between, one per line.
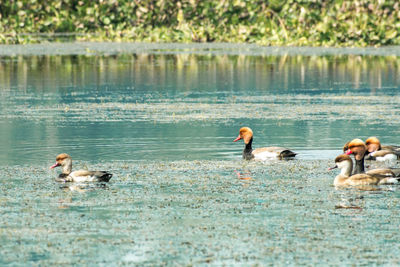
162, 120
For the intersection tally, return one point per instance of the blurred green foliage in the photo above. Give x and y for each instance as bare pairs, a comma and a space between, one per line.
267, 22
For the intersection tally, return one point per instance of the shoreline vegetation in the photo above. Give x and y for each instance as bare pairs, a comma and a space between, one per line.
334, 23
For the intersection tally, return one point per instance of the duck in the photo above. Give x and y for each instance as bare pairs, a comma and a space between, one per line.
263, 153
67, 175
381, 153
358, 148
345, 178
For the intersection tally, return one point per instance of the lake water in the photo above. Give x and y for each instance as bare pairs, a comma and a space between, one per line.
162, 119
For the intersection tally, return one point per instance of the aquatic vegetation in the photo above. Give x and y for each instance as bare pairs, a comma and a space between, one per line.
185, 109
273, 22
188, 212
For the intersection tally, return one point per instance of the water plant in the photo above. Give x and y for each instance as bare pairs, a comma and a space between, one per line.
272, 22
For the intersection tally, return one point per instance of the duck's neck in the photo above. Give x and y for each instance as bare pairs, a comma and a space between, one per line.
359, 166
67, 167
346, 170
247, 150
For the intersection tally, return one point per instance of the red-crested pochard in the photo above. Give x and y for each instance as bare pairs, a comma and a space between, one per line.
67, 175
263, 153
358, 148
345, 178
381, 153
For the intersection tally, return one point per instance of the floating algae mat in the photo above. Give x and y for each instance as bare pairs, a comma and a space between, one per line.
382, 109
197, 212
162, 119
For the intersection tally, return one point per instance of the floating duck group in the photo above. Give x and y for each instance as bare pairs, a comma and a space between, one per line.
370, 150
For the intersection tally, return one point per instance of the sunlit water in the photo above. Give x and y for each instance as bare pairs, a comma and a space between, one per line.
163, 121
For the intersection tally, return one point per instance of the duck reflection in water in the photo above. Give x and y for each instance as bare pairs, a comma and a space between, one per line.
244, 175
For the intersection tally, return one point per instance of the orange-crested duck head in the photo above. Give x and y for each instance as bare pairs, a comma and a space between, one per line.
61, 160
246, 134
356, 147
373, 144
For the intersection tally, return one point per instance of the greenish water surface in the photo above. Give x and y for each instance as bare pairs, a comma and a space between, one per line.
163, 121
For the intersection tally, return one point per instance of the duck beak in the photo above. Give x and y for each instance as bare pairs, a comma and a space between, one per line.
55, 165
237, 139
331, 168
348, 152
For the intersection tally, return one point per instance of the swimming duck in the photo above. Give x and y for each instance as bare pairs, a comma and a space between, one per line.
357, 148
381, 153
345, 178
67, 175
263, 153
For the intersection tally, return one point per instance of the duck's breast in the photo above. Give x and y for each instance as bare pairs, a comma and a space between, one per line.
340, 180
63, 177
